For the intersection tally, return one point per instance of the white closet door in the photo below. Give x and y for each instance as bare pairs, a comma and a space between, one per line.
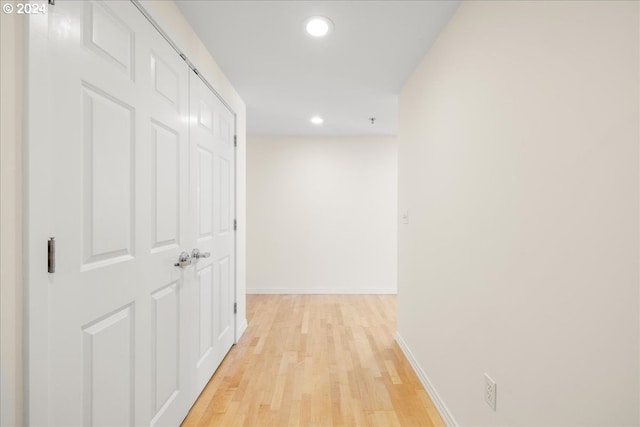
171, 289
212, 130
107, 165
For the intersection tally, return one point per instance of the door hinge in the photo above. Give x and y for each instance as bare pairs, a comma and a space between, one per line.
51, 255
235, 140
235, 308
235, 224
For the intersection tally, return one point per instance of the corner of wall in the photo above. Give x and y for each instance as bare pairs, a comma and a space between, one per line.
444, 412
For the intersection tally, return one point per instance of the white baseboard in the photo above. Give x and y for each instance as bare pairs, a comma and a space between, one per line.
446, 415
308, 291
241, 328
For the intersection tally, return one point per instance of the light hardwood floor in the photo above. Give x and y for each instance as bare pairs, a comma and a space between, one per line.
316, 360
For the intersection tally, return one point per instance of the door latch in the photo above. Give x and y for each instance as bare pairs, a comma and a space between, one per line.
196, 254
51, 255
184, 260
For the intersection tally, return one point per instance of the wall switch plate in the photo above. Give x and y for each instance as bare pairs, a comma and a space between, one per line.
490, 390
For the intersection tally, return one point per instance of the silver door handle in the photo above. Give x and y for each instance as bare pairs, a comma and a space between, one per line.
184, 260
196, 254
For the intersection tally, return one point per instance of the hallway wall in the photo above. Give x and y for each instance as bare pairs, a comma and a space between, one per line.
518, 164
321, 214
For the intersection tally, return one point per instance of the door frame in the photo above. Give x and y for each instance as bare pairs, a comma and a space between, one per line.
11, 212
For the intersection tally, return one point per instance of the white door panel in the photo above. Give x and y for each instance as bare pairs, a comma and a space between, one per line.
202, 134
94, 307
130, 160
108, 369
108, 235
169, 289
225, 232
213, 174
113, 333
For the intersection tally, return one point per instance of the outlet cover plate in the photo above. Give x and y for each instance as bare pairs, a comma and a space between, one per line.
490, 391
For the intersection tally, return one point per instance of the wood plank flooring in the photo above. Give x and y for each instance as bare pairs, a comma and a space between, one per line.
316, 360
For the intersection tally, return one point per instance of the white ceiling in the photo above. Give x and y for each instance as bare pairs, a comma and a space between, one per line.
286, 76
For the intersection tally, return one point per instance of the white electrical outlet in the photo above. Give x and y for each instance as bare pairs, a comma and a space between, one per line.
490, 390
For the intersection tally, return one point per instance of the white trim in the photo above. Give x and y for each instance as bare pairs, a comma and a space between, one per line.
240, 328
322, 291
11, 213
446, 415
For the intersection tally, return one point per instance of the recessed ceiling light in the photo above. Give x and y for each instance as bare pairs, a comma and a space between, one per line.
317, 120
318, 26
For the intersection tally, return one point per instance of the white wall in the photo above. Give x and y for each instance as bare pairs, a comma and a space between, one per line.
11, 81
519, 164
321, 214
